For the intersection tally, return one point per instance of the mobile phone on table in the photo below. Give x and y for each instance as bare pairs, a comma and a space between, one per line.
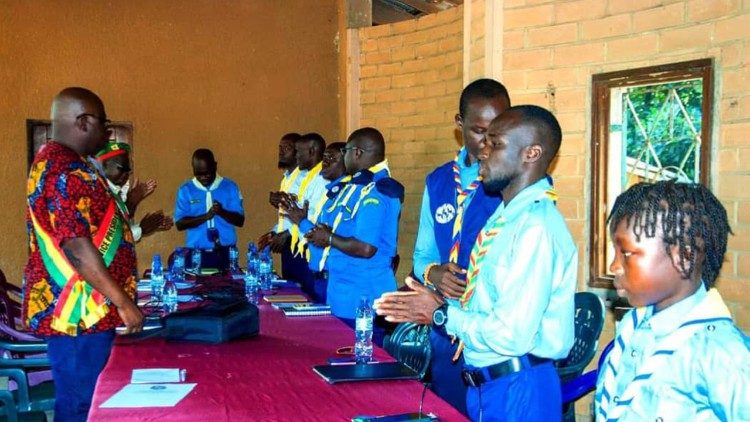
341, 360
412, 417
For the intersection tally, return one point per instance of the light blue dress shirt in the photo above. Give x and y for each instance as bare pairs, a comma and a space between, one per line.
523, 301
706, 379
425, 249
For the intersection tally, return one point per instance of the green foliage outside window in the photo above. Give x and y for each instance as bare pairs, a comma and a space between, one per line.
670, 115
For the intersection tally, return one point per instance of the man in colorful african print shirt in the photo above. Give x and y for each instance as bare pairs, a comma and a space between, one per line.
79, 282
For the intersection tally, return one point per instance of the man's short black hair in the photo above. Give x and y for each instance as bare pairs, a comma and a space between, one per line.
481, 88
689, 216
316, 139
292, 136
544, 122
204, 154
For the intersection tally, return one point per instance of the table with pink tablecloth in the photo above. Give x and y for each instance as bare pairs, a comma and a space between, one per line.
267, 378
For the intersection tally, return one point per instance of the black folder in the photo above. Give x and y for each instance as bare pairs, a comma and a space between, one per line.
365, 372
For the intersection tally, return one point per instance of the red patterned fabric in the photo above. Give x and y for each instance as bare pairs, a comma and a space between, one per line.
266, 378
69, 201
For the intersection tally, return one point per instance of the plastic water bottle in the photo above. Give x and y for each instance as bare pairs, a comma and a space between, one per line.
363, 332
178, 265
265, 270
234, 260
157, 278
251, 287
170, 296
195, 261
252, 258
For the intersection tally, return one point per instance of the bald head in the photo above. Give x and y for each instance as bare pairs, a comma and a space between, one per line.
79, 120
364, 148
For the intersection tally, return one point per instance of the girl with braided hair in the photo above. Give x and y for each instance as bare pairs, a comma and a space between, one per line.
678, 355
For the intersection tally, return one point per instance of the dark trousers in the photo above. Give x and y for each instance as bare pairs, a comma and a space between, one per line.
76, 363
532, 394
446, 374
296, 269
320, 286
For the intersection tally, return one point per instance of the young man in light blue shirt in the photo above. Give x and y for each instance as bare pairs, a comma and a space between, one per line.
516, 314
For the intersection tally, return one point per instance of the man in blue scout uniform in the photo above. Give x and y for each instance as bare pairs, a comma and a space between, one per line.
454, 209
334, 172
359, 231
208, 206
516, 314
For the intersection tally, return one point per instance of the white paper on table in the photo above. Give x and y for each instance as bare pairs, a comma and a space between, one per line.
156, 375
149, 395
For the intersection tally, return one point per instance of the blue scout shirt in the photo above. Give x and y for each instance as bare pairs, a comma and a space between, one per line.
194, 199
371, 216
439, 207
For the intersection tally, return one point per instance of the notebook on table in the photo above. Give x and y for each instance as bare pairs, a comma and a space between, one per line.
365, 372
306, 309
285, 298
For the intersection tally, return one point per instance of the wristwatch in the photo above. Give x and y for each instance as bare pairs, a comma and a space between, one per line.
440, 316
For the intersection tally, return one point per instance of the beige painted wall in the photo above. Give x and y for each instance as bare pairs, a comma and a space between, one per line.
230, 76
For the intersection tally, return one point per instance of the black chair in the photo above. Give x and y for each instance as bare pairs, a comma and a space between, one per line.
410, 345
589, 321
10, 304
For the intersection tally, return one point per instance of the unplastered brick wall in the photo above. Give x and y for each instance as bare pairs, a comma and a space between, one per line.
410, 81
551, 50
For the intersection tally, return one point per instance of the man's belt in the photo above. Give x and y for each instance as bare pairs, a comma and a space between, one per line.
477, 377
320, 275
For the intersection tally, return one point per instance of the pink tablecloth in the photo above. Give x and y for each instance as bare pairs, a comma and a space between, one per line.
265, 378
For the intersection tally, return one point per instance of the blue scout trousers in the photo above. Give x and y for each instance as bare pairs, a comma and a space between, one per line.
446, 374
531, 395
76, 363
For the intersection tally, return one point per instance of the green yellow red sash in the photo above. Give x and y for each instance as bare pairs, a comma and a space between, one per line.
78, 301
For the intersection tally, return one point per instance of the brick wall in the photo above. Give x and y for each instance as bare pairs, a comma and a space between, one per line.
410, 81
563, 43
412, 71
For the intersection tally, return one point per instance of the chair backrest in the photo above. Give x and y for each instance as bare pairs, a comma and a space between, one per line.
10, 305
589, 320
410, 345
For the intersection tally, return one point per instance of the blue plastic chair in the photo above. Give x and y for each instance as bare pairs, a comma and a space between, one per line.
20, 363
586, 383
589, 321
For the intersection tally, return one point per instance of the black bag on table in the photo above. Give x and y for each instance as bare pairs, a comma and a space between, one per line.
215, 322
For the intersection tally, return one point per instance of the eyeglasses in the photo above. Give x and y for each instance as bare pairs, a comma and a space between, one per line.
124, 169
102, 120
330, 158
345, 149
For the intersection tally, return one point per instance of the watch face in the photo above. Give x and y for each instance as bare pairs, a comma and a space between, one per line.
438, 317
